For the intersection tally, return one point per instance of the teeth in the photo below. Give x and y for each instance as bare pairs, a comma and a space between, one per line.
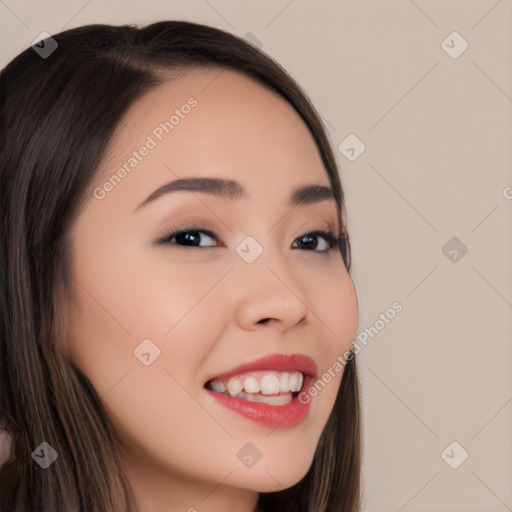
295, 381
271, 400
251, 385
234, 386
283, 382
260, 383
269, 385
218, 386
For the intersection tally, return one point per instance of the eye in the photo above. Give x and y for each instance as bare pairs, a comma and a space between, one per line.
189, 237
193, 236
318, 241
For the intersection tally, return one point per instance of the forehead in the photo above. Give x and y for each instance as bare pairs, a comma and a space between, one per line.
216, 123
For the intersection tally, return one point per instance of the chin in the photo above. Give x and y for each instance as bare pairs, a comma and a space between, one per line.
272, 479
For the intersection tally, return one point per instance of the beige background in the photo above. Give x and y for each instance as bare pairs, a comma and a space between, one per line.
437, 165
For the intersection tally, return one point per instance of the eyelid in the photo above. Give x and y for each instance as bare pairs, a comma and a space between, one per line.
332, 238
189, 226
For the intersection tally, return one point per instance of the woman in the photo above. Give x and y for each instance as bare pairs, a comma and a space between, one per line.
177, 309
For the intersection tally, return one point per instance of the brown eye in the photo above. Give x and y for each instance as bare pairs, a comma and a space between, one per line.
319, 241
189, 237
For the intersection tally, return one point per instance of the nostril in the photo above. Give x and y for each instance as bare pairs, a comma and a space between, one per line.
265, 320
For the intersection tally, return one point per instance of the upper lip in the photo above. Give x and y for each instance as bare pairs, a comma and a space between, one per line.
275, 362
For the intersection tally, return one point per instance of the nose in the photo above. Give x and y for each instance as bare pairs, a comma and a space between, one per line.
268, 294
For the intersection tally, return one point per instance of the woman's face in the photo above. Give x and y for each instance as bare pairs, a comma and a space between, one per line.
155, 318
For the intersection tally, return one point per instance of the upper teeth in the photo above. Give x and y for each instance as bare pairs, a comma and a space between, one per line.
267, 383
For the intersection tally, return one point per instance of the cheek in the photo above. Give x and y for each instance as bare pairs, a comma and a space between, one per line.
335, 304
118, 300
180, 312
335, 307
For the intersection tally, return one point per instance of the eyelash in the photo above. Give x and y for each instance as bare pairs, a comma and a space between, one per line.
331, 239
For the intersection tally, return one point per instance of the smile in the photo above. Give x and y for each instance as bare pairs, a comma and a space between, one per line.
273, 388
265, 391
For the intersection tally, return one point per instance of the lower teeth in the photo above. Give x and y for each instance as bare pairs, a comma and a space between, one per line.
282, 399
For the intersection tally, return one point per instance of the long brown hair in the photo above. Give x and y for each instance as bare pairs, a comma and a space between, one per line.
58, 115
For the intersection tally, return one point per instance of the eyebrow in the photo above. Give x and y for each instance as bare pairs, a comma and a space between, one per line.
232, 190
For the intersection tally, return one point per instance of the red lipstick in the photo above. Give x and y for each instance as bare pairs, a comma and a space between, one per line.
272, 416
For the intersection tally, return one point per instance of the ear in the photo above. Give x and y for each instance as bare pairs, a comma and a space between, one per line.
7, 454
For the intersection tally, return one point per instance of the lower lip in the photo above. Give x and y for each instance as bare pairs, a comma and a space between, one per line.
272, 416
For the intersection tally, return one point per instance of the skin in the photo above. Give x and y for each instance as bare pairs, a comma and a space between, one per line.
201, 305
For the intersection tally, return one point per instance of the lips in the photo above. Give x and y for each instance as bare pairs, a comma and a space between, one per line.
276, 362
271, 406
